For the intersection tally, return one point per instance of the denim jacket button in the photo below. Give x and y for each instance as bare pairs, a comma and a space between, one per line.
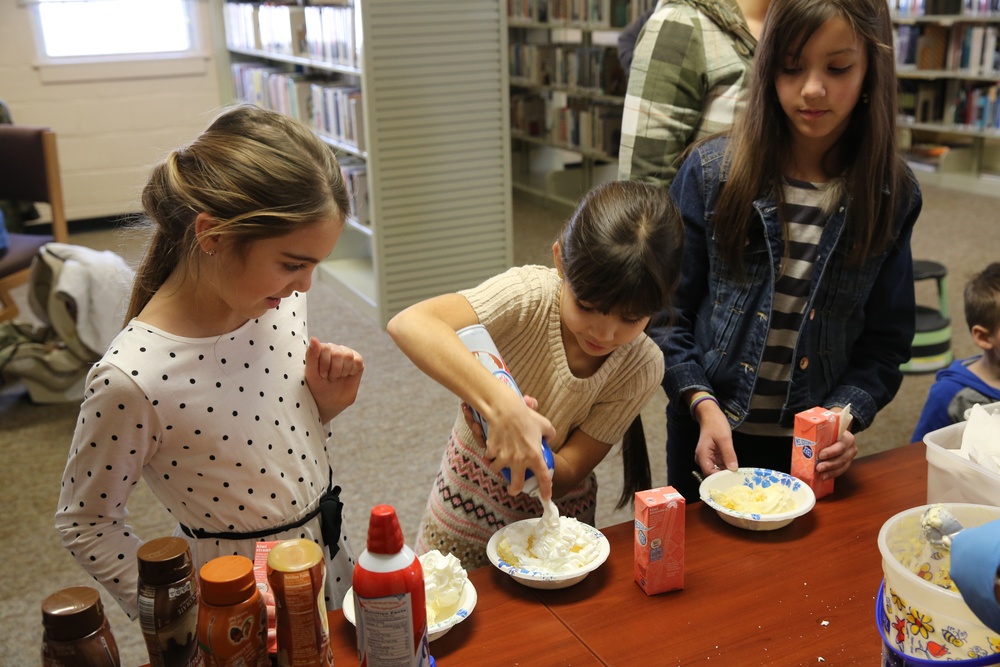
804, 363
812, 314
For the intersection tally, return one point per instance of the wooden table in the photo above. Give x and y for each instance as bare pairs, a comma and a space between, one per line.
801, 595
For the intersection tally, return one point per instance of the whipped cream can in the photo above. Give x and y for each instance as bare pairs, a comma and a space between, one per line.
478, 340
659, 540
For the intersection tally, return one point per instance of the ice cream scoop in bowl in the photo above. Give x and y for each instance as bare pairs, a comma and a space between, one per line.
550, 552
757, 498
939, 526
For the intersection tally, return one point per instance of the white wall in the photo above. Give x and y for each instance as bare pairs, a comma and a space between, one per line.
111, 127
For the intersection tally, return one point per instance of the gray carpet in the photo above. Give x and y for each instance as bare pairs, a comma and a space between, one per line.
390, 442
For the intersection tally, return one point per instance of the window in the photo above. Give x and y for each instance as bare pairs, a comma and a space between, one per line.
95, 28
101, 40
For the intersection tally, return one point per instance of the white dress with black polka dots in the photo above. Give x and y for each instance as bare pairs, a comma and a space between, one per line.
225, 432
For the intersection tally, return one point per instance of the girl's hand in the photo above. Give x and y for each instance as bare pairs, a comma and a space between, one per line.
714, 451
836, 459
477, 430
333, 374
515, 442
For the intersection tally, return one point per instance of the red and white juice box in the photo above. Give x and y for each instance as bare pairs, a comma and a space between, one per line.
659, 540
814, 430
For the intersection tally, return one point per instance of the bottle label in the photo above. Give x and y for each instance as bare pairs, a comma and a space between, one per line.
168, 616
303, 633
234, 636
385, 633
96, 650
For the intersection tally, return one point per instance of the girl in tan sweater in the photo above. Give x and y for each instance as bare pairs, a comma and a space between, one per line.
573, 338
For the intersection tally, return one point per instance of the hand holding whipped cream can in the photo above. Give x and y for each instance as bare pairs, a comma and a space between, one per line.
478, 340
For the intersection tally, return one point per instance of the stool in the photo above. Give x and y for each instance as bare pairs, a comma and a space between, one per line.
931, 349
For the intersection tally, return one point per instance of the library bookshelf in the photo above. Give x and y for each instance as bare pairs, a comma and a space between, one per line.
948, 67
412, 98
567, 92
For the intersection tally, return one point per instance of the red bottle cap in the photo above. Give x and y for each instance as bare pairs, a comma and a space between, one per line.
384, 534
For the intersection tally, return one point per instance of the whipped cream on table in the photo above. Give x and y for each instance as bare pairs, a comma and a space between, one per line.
444, 579
775, 499
554, 544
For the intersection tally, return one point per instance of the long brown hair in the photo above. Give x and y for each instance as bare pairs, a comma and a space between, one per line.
620, 252
866, 154
258, 173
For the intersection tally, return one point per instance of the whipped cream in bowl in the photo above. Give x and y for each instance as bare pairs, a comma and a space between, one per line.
449, 595
549, 552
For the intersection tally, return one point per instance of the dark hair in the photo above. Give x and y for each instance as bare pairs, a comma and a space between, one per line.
258, 173
866, 154
620, 253
982, 299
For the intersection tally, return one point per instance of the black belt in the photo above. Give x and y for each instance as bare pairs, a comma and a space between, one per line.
330, 509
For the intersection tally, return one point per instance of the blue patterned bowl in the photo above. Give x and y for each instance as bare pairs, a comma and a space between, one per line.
801, 497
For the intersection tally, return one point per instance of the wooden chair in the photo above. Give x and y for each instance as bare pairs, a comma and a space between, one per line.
29, 171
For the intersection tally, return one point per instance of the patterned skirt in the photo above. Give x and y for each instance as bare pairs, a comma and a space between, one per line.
468, 503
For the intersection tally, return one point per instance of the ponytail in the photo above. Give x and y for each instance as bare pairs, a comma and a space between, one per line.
635, 463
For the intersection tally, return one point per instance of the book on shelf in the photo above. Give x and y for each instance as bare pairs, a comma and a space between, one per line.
355, 173
283, 29
337, 112
241, 25
932, 45
527, 114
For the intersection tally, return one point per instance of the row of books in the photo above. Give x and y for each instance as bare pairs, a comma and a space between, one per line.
594, 68
268, 27
355, 173
320, 32
330, 34
971, 105
338, 112
578, 124
972, 49
327, 104
943, 7
610, 13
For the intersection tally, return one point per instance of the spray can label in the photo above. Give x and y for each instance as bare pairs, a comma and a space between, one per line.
478, 340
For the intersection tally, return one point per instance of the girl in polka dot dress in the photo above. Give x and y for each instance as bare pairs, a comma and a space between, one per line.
214, 393
573, 339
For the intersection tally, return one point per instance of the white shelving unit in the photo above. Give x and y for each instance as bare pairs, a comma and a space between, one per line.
436, 144
954, 53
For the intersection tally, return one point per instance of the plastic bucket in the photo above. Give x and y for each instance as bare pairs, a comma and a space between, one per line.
924, 620
893, 657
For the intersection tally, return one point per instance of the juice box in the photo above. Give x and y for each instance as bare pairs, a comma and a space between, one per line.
659, 540
815, 429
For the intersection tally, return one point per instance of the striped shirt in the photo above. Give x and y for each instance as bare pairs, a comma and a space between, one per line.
807, 207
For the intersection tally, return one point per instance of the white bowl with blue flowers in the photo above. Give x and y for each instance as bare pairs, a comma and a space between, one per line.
796, 496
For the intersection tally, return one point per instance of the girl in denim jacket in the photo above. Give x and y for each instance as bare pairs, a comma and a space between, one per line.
797, 283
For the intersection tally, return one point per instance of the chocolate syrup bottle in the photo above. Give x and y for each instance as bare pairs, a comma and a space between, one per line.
76, 632
168, 603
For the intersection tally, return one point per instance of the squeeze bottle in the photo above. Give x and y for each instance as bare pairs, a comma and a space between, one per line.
168, 603
389, 599
76, 632
232, 617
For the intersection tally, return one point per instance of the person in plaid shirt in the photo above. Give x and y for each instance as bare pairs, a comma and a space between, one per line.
687, 80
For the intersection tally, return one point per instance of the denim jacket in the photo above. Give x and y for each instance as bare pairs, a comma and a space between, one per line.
857, 328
